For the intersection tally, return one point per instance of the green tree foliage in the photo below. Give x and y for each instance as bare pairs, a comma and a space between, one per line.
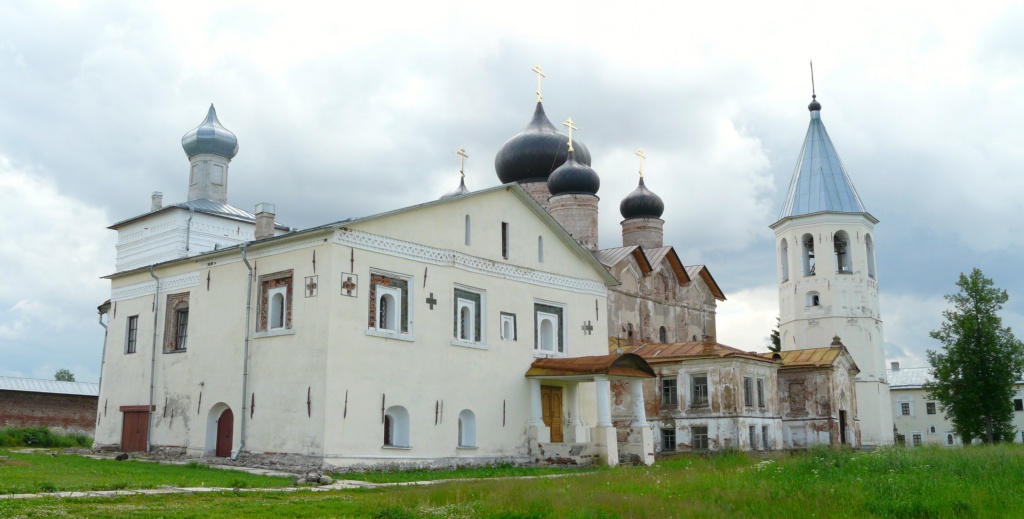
775, 338
64, 375
974, 374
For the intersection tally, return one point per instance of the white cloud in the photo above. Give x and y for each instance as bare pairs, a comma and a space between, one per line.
747, 319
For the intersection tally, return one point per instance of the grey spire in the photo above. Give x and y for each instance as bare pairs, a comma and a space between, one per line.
820, 182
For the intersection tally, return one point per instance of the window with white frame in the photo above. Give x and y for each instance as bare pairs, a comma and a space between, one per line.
905, 404
132, 334
468, 320
508, 327
669, 392
549, 329
916, 438
929, 407
275, 303
467, 429
389, 303
699, 390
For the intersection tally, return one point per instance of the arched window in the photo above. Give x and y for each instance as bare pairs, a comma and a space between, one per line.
547, 334
784, 259
807, 242
277, 309
629, 330
396, 427
663, 335
388, 312
813, 299
467, 229
506, 328
540, 249
466, 322
841, 242
467, 429
869, 246
949, 439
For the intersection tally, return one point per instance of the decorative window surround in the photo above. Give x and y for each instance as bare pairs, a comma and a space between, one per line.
167, 284
470, 304
549, 329
508, 327
394, 290
277, 285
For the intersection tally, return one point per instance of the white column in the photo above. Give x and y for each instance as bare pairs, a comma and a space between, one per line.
636, 391
572, 395
604, 408
536, 409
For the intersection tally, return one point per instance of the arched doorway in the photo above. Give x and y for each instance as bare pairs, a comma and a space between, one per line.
225, 433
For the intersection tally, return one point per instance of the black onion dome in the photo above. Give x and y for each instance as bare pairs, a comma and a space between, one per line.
574, 178
815, 106
459, 191
532, 154
641, 203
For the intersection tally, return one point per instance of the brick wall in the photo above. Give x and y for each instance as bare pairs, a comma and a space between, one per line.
28, 409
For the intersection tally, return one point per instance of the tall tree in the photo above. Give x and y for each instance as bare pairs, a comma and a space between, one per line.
974, 374
64, 375
775, 338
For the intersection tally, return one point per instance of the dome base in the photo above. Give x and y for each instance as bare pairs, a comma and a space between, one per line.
578, 216
648, 233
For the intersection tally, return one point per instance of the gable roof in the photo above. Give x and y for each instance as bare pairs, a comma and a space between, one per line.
205, 206
611, 257
661, 353
705, 274
811, 357
668, 253
623, 365
38, 385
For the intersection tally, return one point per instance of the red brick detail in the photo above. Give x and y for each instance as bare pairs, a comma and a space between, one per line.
28, 409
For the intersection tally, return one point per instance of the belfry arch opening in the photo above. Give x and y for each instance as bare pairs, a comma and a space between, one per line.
841, 243
807, 243
784, 259
869, 248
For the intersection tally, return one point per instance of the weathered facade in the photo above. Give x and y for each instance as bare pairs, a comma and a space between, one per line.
65, 406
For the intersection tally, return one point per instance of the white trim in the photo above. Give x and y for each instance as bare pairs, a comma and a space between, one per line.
450, 258
388, 334
145, 288
274, 333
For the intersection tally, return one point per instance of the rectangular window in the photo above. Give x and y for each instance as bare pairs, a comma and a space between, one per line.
699, 390
1018, 404
668, 439
669, 393
760, 392
549, 329
504, 240
930, 407
752, 432
176, 323
389, 303
132, 335
275, 302
467, 321
904, 408
700, 438
764, 436
917, 439
508, 327
748, 391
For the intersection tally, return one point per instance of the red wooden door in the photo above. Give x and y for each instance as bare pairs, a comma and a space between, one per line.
225, 433
551, 405
133, 431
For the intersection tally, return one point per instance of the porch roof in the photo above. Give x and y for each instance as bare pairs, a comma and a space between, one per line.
616, 365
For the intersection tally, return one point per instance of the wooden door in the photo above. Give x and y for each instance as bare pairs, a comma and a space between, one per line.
133, 431
225, 433
551, 402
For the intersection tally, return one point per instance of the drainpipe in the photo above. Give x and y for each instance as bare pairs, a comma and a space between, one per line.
152, 364
245, 351
103, 358
188, 230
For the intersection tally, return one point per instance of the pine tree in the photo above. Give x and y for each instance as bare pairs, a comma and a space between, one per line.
64, 375
980, 361
775, 338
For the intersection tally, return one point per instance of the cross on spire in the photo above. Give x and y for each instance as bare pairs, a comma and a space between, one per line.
640, 153
814, 95
568, 124
539, 75
462, 164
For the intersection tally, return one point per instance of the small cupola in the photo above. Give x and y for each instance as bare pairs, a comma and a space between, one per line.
641, 203
461, 190
574, 178
641, 212
210, 137
210, 148
573, 202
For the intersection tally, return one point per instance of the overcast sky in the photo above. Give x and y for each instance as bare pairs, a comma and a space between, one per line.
347, 109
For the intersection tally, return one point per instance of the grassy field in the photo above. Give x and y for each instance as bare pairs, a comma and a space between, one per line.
977, 481
41, 437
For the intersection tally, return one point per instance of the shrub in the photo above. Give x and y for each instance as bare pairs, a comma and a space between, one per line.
41, 437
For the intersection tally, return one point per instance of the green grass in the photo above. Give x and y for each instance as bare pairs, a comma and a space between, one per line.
491, 471
41, 437
977, 481
41, 472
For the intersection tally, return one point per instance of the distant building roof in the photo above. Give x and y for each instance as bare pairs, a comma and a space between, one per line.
657, 352
36, 385
808, 358
206, 206
914, 378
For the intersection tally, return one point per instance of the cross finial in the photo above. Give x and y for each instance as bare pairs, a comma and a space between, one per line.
539, 75
814, 95
568, 124
640, 153
462, 164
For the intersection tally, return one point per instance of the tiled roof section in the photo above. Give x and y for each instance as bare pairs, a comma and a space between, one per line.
655, 256
625, 364
705, 274
657, 352
820, 182
611, 257
35, 385
809, 358
207, 206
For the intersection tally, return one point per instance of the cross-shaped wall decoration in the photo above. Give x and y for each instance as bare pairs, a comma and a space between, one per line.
349, 284
311, 283
587, 328
431, 301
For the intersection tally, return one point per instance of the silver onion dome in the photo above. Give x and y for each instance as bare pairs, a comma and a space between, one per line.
210, 137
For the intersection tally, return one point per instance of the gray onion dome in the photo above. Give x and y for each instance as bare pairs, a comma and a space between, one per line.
532, 154
642, 203
210, 137
573, 177
459, 191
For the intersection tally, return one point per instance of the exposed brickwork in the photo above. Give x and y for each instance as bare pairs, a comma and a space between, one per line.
268, 282
539, 192
175, 302
28, 409
648, 233
578, 215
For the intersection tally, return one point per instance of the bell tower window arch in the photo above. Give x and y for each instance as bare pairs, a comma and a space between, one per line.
807, 256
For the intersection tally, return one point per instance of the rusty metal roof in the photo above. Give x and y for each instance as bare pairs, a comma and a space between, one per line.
705, 274
655, 256
611, 257
810, 358
658, 353
619, 365
36, 385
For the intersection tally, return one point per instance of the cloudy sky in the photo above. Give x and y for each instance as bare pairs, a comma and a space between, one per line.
347, 109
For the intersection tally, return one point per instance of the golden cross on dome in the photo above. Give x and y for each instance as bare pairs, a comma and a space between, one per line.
539, 75
568, 124
640, 153
462, 164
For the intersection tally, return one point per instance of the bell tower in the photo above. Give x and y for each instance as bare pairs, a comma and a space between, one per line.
828, 281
